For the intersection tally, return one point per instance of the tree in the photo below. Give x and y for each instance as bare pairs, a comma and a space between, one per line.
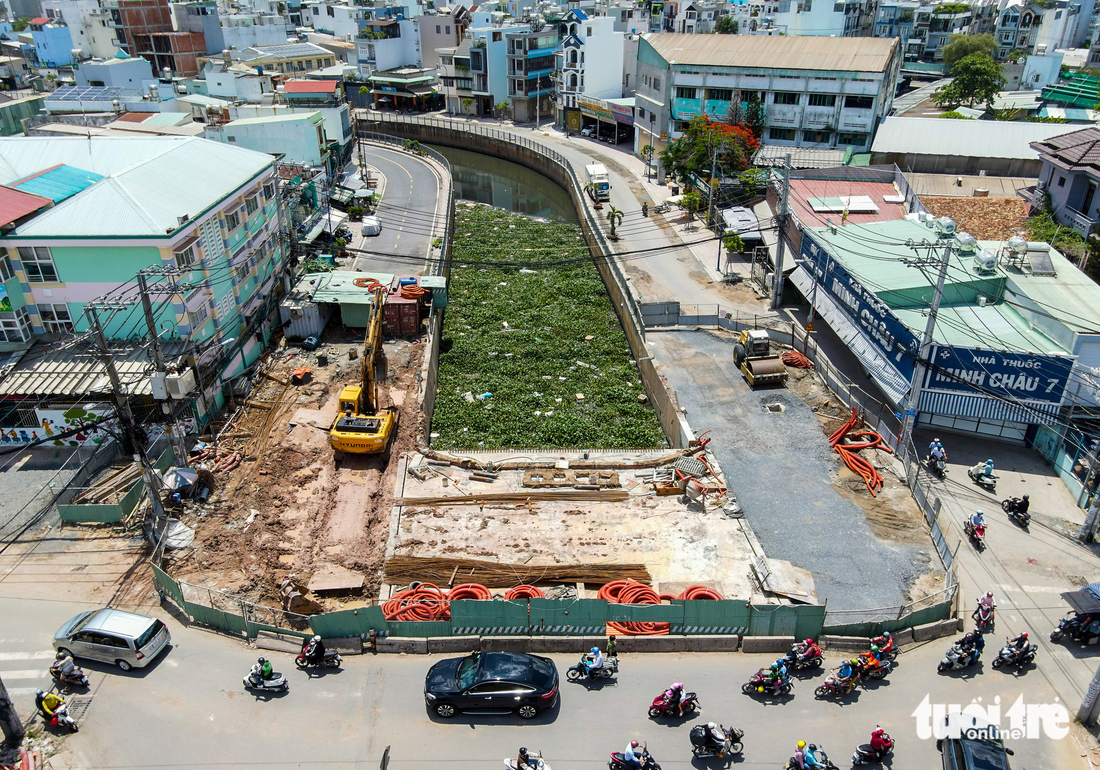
502, 110
727, 25
593, 191
691, 201
733, 243
962, 46
754, 114
705, 143
735, 113
615, 218
466, 103
977, 79
19, 25
647, 155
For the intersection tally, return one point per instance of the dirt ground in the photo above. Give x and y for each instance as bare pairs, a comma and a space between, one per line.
291, 506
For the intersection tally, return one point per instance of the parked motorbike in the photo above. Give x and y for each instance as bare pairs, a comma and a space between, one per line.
510, 762
822, 757
618, 763
865, 755
75, 678
988, 483
609, 668
760, 685
702, 744
277, 683
958, 657
985, 618
798, 658
330, 660
976, 534
936, 466
660, 707
662, 208
1011, 506
831, 688
1074, 625
61, 718
1010, 656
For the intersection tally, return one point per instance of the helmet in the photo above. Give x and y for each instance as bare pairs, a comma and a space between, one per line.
979, 513
936, 440
802, 744
633, 744
854, 662
809, 641
1027, 497
813, 747
886, 634
877, 731
988, 462
595, 650
1023, 635
59, 656
316, 638
260, 660
39, 693
522, 751
711, 725
775, 667
875, 648
678, 686
989, 594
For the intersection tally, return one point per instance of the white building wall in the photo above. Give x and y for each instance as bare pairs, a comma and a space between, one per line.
239, 34
115, 73
80, 16
297, 139
603, 58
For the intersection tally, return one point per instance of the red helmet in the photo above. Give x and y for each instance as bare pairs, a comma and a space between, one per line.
809, 641
1023, 635
633, 744
878, 731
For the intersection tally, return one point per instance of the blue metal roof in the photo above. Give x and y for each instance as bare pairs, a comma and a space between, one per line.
58, 183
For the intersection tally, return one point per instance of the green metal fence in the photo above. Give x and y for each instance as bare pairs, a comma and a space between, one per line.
112, 513
873, 628
357, 622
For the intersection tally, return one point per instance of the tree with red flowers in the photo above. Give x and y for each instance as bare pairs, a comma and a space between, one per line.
706, 142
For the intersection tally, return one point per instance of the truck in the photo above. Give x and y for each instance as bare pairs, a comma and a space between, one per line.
596, 174
752, 355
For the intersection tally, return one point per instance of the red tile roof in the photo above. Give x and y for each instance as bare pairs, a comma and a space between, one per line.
135, 117
804, 189
310, 87
15, 204
40, 20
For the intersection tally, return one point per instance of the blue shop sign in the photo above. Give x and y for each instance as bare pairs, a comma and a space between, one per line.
1010, 375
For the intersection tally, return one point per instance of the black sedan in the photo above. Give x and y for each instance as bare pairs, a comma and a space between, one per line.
492, 682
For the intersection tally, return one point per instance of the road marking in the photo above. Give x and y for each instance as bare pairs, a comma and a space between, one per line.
21, 463
16, 691
40, 655
31, 673
1033, 589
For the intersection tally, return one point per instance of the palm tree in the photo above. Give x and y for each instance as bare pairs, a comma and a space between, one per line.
615, 217
502, 110
593, 191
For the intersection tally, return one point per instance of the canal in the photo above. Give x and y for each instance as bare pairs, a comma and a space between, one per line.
501, 183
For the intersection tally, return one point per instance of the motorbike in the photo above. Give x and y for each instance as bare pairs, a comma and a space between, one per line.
75, 678
957, 657
865, 755
822, 757
539, 763
662, 208
277, 683
887, 653
869, 670
985, 617
976, 534
330, 659
609, 668
61, 718
1075, 626
977, 475
759, 685
618, 763
1010, 656
660, 707
1011, 506
834, 689
936, 466
796, 661
703, 746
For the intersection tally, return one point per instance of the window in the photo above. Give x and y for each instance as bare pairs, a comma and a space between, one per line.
15, 327
269, 190
251, 204
1061, 183
857, 139
197, 316
241, 270
656, 84
818, 137
6, 270
859, 102
448, 29
231, 139
686, 93
438, 29
645, 80
822, 100
720, 94
785, 97
186, 258
38, 264
233, 220
781, 134
55, 318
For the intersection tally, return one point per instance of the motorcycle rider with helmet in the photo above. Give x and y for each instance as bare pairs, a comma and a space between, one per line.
987, 602
1019, 644
63, 665
716, 739
315, 650
633, 754
525, 760
261, 671
881, 742
977, 519
674, 698
1023, 505
987, 469
48, 703
806, 650
810, 757
593, 661
885, 642
936, 451
846, 674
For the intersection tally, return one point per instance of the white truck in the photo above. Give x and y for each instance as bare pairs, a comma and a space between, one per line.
596, 174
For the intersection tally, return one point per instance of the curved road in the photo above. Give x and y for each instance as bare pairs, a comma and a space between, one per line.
408, 212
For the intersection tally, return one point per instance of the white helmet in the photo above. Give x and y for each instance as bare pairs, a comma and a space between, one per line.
712, 726
316, 638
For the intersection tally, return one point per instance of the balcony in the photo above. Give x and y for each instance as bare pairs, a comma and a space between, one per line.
686, 109
1071, 217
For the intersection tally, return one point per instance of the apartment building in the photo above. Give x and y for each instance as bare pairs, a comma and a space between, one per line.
845, 18
442, 28
531, 58
478, 69
386, 44
818, 91
88, 25
590, 60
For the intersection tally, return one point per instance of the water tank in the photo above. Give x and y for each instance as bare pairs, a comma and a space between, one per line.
945, 226
1017, 245
967, 243
985, 263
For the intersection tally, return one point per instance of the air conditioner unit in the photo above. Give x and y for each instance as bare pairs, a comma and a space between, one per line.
179, 385
1040, 185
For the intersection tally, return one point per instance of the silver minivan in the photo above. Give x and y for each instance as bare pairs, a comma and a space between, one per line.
123, 638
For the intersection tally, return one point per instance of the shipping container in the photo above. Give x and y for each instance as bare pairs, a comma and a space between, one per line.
401, 317
305, 318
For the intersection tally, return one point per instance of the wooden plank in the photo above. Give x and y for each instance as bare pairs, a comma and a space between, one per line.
592, 495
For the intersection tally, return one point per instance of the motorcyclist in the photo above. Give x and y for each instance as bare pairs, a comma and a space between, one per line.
977, 519
846, 674
984, 601
872, 658
525, 760
1019, 644
777, 677
315, 650
261, 671
593, 661
63, 665
781, 664
800, 754
972, 644
1022, 505
806, 650
633, 754
810, 757
674, 697
881, 742
715, 737
987, 469
48, 703
885, 642
936, 451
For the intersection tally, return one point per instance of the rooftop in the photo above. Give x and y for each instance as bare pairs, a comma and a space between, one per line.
310, 87
293, 117
1073, 151
973, 138
339, 286
793, 52
146, 182
815, 200
15, 204
992, 219
57, 183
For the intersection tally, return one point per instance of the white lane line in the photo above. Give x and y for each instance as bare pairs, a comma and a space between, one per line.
18, 691
40, 655
1033, 589
31, 673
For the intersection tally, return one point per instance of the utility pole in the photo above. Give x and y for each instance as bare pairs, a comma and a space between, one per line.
919, 366
125, 416
175, 430
781, 246
10, 723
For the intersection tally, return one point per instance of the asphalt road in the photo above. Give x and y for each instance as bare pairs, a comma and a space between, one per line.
189, 710
408, 214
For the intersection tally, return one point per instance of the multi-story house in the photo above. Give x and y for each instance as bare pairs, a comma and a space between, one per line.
145, 28
1017, 27
947, 20
631, 17
95, 211
899, 19
201, 16
286, 59
817, 91
440, 29
845, 18
531, 59
386, 44
589, 61
85, 20
244, 30
693, 16
478, 69
53, 45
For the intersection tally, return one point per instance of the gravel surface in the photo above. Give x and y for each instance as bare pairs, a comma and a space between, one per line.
23, 476
779, 466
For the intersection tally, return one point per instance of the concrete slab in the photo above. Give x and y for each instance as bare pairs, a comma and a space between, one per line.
331, 577
766, 643
403, 644
937, 630
453, 643
728, 643
345, 645
317, 418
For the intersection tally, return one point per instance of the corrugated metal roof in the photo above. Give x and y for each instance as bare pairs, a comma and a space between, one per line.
58, 183
15, 204
997, 326
984, 407
149, 181
309, 87
785, 52
48, 370
965, 138
339, 286
291, 118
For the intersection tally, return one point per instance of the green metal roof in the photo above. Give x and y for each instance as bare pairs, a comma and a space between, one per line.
1074, 90
996, 326
339, 287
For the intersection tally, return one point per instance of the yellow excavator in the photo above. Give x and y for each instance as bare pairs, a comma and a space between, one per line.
362, 427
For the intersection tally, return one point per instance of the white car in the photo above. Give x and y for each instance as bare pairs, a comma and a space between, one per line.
590, 131
372, 225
